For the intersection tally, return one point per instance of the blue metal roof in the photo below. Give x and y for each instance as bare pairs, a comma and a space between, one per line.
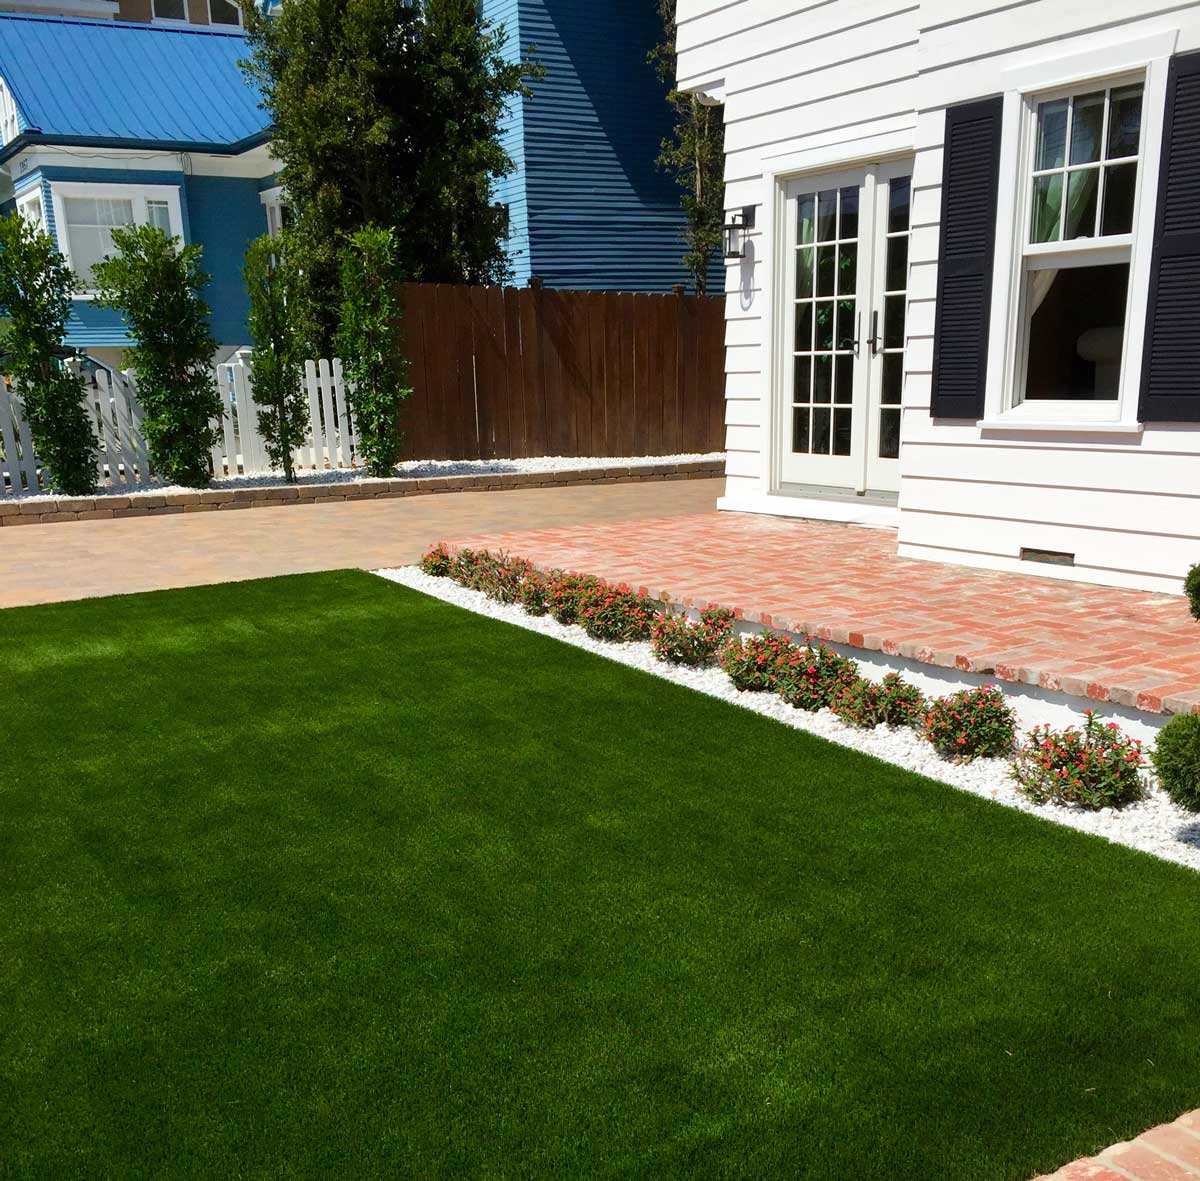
117, 84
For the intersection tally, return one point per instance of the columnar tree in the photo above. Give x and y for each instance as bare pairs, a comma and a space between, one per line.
370, 346
386, 113
694, 154
156, 283
35, 293
275, 375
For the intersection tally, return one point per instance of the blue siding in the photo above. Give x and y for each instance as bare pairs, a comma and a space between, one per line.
510, 190
220, 213
600, 213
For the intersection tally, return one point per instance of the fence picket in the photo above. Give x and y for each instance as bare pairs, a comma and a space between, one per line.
21, 477
325, 382
345, 434
314, 416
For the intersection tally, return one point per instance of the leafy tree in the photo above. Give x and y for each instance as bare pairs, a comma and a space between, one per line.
156, 283
275, 376
386, 113
35, 291
370, 346
694, 154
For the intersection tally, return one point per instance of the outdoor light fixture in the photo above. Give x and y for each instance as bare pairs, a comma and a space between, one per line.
736, 230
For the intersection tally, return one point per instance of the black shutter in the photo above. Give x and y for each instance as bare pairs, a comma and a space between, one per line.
1171, 361
970, 178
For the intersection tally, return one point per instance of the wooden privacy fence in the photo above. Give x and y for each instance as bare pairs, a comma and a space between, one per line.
502, 372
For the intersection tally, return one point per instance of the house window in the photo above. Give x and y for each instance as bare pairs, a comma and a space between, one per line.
86, 215
30, 208
224, 12
1081, 192
170, 10
9, 124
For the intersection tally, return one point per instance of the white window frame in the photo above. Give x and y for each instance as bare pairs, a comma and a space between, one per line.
138, 195
273, 200
1145, 60
10, 118
155, 19
31, 196
221, 24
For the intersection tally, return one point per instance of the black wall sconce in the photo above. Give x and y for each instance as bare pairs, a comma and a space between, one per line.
736, 230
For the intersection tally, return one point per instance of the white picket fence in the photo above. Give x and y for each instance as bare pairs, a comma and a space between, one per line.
123, 459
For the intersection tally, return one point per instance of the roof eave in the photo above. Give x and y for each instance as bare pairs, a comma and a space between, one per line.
34, 138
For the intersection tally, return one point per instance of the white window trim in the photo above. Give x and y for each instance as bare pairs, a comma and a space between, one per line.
1146, 59
273, 199
138, 194
240, 23
10, 114
27, 198
170, 20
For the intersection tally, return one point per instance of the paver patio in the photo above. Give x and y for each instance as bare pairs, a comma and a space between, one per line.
79, 559
845, 584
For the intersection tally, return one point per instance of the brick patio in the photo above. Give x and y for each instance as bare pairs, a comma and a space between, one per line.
1170, 1152
845, 584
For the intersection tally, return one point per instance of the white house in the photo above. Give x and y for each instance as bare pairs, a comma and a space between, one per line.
969, 303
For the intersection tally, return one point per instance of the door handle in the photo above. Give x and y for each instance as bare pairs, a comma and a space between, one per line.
874, 338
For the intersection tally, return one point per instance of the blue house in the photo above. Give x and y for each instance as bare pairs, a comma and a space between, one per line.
587, 205
104, 123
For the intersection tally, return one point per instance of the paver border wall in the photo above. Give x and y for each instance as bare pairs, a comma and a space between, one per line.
95, 508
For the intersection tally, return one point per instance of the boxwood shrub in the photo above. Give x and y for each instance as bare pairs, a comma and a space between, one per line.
1176, 760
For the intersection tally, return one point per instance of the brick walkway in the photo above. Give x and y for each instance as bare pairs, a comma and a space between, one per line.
846, 584
77, 559
1170, 1152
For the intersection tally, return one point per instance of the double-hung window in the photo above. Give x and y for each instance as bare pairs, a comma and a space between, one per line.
1080, 195
85, 216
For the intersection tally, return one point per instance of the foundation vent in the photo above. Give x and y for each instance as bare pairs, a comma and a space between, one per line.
1047, 557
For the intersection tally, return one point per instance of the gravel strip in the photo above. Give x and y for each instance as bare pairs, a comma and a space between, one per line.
411, 469
1154, 825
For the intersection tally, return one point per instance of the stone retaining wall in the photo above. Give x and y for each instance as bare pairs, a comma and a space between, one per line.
17, 511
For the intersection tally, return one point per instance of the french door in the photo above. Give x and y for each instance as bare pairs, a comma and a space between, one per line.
846, 275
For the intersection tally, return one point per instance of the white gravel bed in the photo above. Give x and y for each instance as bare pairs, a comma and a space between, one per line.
1154, 825
413, 469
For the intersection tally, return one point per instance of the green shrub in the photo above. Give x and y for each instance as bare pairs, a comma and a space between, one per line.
437, 561
564, 591
156, 283
1095, 767
35, 293
532, 593
371, 347
678, 640
1176, 760
1191, 587
752, 662
970, 724
275, 376
501, 577
812, 678
867, 704
615, 613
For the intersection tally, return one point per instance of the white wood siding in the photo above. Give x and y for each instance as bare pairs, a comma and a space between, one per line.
798, 75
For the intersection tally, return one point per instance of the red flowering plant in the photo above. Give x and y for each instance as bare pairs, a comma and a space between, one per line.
564, 591
467, 565
1096, 766
752, 662
532, 593
970, 724
615, 613
679, 640
501, 577
812, 678
437, 561
867, 704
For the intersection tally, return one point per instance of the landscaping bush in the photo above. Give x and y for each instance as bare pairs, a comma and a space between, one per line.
35, 294
1096, 767
614, 612
1176, 760
752, 662
501, 577
1191, 587
155, 282
970, 724
563, 592
679, 640
467, 567
532, 593
812, 678
437, 561
867, 704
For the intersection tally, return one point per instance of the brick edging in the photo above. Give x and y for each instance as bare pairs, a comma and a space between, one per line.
1133, 696
16, 511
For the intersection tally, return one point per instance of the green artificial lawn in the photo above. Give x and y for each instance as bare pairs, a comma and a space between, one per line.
320, 875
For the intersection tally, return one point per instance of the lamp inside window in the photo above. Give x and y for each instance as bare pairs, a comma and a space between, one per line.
1075, 265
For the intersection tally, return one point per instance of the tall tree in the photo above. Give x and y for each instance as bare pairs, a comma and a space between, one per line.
385, 113
694, 153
